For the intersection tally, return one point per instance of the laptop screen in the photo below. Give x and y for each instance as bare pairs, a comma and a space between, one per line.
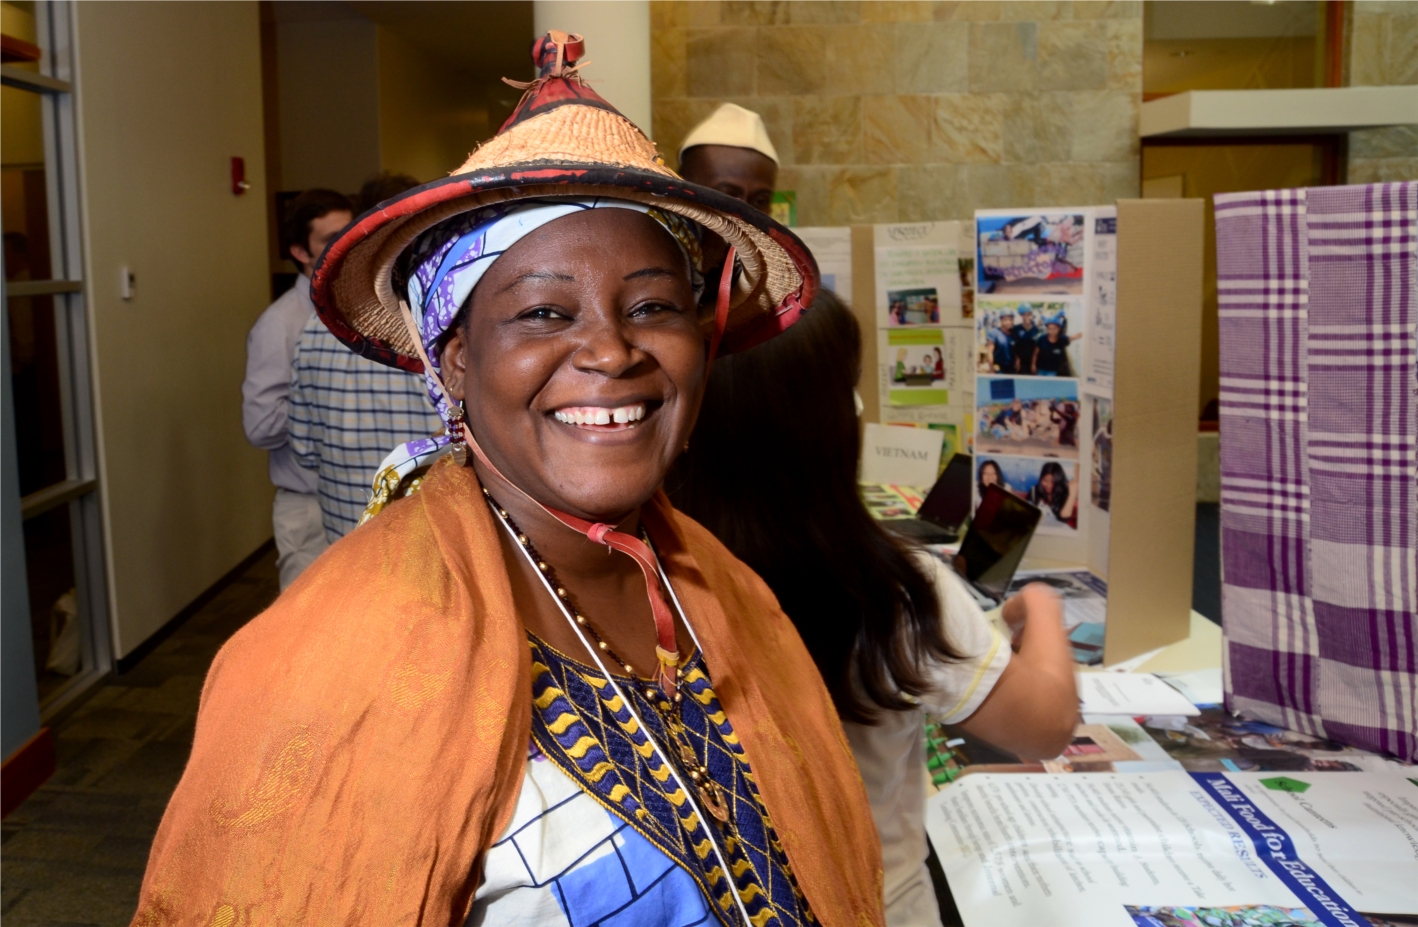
948, 504
995, 543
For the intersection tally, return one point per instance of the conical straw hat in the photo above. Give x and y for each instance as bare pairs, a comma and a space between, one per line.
562, 140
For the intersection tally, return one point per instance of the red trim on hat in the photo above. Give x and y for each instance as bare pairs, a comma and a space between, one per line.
549, 174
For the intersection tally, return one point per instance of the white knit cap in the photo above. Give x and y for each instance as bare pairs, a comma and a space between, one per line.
732, 125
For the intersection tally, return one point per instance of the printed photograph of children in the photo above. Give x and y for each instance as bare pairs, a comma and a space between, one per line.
1102, 490
1048, 484
1027, 416
1032, 339
913, 307
918, 365
1030, 255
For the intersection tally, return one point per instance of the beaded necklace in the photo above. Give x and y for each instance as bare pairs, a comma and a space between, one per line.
710, 792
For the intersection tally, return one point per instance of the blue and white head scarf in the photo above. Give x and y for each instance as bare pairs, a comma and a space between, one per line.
447, 261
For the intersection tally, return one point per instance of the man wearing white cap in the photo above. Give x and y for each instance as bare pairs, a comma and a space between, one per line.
732, 153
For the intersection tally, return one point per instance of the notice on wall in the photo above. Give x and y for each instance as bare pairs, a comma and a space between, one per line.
918, 275
1168, 849
1102, 300
905, 455
831, 247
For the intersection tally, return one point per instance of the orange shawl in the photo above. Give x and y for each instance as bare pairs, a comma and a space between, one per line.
361, 743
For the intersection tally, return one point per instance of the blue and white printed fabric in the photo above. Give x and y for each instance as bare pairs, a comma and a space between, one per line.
565, 860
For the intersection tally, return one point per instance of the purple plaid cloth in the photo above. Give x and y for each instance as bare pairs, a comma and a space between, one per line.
1319, 460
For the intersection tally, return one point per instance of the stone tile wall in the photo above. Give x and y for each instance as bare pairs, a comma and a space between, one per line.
1383, 50
908, 111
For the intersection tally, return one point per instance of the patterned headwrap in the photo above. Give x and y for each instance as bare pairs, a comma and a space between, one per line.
447, 261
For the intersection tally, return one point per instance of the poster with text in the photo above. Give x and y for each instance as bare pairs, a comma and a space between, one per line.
917, 274
1102, 300
1030, 254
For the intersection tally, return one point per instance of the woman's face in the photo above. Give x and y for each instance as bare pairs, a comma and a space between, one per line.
581, 362
1046, 483
989, 475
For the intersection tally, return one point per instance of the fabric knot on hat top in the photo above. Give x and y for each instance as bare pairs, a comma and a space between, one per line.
558, 57
555, 51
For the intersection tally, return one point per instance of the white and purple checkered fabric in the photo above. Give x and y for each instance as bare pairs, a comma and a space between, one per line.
1319, 460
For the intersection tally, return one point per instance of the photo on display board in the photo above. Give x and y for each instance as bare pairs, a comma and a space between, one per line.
1034, 416
913, 307
1248, 915
1052, 485
1030, 338
1030, 255
918, 366
1102, 484
967, 285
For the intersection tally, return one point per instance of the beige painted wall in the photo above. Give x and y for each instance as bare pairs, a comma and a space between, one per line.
430, 116
329, 102
167, 94
911, 111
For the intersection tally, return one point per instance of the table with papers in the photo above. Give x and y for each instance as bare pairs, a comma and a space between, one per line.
1166, 811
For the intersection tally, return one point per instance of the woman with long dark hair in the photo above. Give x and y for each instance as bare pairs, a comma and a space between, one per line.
1055, 494
990, 475
773, 474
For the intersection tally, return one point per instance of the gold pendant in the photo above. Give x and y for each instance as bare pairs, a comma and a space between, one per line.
714, 801
460, 455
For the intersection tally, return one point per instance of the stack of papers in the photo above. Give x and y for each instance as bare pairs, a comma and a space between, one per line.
1134, 694
1165, 849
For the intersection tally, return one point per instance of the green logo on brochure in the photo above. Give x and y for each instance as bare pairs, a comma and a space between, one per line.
1285, 784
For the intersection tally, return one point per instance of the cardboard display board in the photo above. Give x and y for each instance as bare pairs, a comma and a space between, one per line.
1123, 285
1157, 368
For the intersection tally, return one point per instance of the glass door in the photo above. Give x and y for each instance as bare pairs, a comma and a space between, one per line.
49, 355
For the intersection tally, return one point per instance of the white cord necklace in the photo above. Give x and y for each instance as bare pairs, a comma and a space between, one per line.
685, 787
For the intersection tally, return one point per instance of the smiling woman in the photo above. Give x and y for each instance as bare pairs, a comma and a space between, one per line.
526, 690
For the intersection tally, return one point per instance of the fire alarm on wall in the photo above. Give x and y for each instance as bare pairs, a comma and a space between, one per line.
239, 183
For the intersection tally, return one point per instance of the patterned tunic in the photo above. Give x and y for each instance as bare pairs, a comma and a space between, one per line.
603, 833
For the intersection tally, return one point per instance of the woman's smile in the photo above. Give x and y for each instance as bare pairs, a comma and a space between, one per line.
599, 419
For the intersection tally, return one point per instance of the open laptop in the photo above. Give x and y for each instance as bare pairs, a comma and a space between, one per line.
945, 508
993, 547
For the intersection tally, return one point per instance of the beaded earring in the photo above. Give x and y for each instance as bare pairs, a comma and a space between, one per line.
455, 431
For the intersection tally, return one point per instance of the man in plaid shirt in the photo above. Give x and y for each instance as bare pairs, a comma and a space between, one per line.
346, 413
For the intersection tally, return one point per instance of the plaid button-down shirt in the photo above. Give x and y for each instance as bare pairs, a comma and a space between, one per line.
346, 414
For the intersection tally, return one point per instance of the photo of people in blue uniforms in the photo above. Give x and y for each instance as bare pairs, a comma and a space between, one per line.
1032, 339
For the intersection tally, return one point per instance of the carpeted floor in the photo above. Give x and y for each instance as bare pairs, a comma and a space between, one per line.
74, 852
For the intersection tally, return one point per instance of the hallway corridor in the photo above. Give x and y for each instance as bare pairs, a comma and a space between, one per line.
74, 852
